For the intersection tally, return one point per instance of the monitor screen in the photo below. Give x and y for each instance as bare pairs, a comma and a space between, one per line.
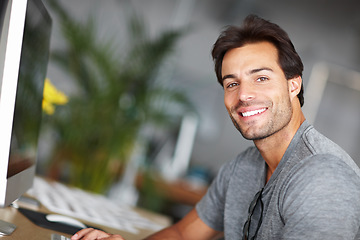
24, 53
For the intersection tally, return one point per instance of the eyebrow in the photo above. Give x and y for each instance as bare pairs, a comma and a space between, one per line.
256, 70
252, 71
228, 76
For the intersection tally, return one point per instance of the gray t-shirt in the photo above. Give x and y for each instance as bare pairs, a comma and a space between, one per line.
314, 193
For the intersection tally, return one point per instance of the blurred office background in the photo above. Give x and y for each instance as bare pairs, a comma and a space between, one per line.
326, 35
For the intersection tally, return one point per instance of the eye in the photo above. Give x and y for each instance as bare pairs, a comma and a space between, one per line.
262, 79
231, 85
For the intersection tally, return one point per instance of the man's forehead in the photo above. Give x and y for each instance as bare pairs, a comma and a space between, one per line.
257, 48
252, 58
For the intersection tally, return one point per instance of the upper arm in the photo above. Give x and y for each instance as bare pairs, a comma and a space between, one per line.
190, 227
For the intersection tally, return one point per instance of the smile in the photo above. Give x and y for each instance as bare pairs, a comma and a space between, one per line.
252, 113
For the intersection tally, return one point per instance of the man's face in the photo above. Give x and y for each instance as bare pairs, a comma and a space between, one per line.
256, 92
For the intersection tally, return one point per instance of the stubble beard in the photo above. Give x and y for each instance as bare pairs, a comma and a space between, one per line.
277, 122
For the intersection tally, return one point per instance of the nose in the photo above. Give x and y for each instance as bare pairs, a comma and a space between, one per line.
246, 92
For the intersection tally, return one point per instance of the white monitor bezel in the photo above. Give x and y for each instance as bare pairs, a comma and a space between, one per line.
10, 52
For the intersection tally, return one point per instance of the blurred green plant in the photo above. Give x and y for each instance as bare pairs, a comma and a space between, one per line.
117, 93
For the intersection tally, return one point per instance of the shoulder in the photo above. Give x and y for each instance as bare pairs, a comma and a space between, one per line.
322, 193
245, 171
318, 144
236, 171
323, 168
320, 150
322, 178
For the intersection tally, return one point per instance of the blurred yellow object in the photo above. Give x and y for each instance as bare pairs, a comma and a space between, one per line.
51, 97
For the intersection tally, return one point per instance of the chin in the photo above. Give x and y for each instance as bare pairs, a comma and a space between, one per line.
254, 138
255, 135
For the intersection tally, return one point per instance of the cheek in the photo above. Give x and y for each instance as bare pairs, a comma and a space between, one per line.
282, 94
229, 101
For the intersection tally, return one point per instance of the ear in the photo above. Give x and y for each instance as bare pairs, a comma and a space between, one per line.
294, 86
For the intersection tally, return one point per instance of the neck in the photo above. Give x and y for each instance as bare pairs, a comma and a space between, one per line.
273, 147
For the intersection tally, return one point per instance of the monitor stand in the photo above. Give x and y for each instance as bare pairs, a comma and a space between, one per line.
6, 228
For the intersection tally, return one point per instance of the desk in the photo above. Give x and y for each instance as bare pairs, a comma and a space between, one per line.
179, 191
29, 231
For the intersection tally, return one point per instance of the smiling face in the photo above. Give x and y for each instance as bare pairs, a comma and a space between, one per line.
256, 93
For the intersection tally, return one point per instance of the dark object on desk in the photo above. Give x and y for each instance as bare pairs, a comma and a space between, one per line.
40, 219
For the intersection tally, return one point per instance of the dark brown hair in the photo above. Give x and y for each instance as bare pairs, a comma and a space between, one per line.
256, 29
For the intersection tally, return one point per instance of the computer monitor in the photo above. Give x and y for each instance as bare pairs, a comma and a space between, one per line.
25, 27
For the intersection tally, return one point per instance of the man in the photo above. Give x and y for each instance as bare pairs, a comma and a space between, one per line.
295, 183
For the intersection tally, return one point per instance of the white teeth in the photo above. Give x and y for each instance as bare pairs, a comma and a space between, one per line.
251, 113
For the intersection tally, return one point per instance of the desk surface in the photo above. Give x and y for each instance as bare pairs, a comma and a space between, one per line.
29, 231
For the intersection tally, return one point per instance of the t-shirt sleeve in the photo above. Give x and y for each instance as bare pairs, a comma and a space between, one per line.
321, 200
211, 207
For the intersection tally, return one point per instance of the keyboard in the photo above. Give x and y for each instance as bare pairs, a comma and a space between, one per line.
94, 208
